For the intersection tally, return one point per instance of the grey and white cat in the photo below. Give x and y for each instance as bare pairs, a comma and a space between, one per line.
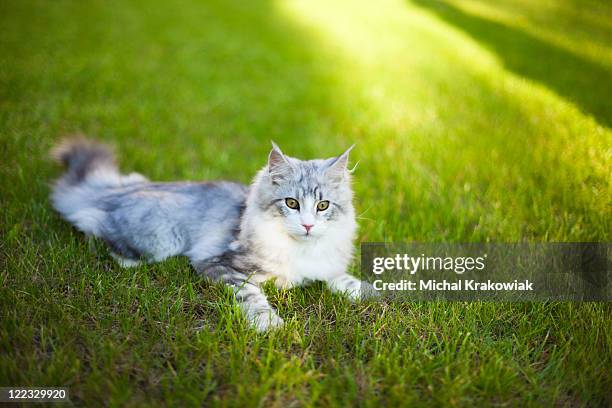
295, 223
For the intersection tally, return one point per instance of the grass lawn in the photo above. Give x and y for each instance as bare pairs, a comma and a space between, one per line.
474, 121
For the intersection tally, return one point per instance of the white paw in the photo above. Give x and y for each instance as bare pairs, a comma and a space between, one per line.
368, 291
362, 291
353, 288
133, 178
265, 320
125, 262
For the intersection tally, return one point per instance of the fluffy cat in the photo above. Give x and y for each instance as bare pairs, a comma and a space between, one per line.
295, 223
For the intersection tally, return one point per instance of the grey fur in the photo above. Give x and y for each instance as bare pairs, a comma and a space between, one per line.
221, 226
81, 156
141, 219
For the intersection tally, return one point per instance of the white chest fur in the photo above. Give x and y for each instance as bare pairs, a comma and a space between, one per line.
294, 262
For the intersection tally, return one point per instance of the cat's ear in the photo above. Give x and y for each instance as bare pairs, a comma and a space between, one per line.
337, 169
278, 165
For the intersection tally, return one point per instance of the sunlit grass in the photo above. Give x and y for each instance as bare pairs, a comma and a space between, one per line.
466, 130
507, 148
583, 28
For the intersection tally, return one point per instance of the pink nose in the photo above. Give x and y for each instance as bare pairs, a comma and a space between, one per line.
307, 227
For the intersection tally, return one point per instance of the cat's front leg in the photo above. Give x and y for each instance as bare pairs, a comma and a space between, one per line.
352, 287
253, 302
251, 299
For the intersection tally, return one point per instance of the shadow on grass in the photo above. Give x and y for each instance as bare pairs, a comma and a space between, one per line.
583, 82
225, 77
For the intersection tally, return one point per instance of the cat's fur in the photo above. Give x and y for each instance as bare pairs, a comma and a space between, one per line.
232, 233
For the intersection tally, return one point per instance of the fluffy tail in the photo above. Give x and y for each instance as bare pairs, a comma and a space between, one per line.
83, 157
91, 171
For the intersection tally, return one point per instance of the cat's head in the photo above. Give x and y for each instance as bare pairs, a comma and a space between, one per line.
310, 198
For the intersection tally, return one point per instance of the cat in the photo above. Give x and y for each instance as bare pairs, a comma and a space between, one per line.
294, 224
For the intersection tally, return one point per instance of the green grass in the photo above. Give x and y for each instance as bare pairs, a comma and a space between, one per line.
474, 121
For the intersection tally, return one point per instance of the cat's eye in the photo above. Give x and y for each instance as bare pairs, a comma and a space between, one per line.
292, 203
323, 205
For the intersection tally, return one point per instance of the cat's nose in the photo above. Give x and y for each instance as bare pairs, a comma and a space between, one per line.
307, 227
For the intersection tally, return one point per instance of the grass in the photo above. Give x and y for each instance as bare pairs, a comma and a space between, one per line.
474, 121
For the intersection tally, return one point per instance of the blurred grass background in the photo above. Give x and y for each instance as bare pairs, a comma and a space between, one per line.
474, 121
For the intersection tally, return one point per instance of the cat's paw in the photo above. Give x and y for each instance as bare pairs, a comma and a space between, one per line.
264, 321
125, 262
353, 288
367, 291
363, 291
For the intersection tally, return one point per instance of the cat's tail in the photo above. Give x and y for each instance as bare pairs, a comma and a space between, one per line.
83, 159
91, 171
